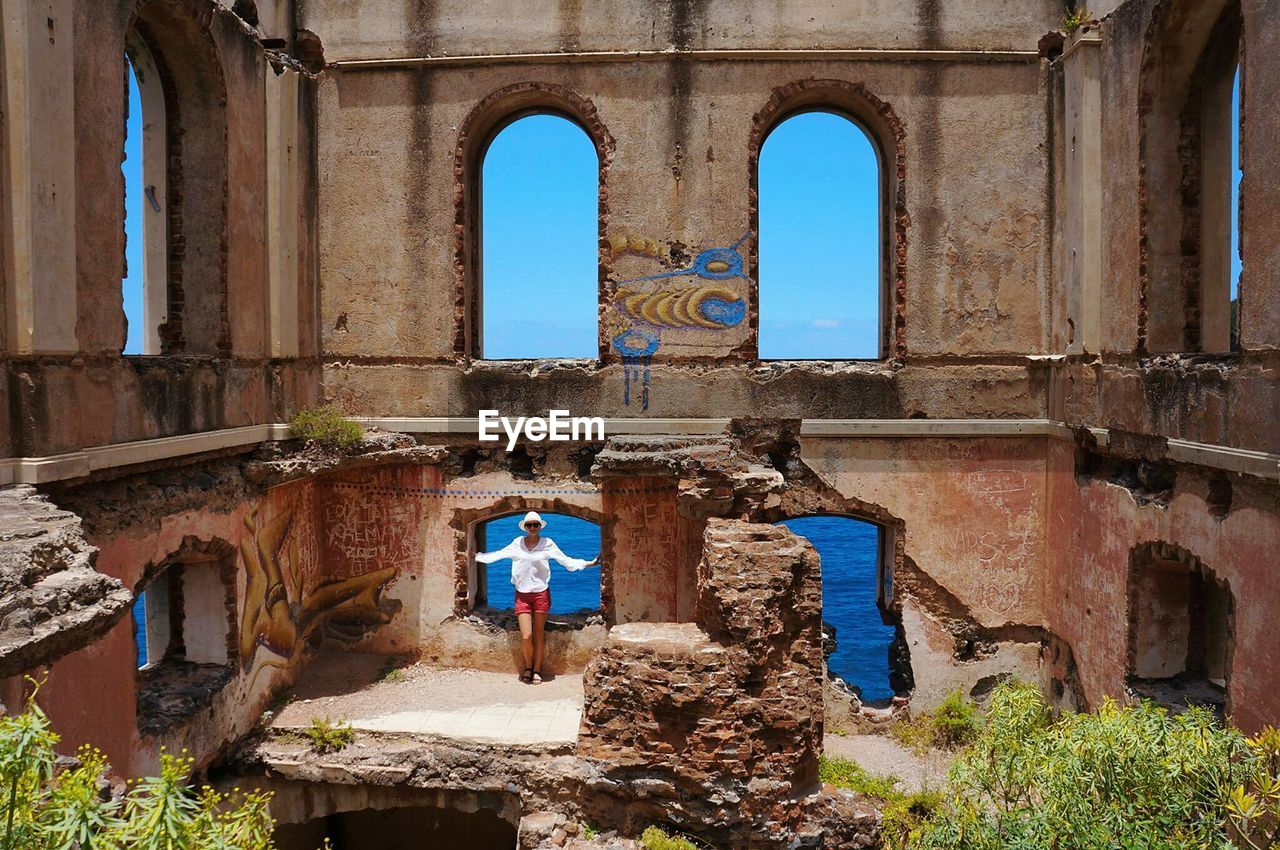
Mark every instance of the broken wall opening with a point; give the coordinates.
(575, 592)
(408, 828)
(1180, 629)
(373, 817)
(185, 633)
(860, 629)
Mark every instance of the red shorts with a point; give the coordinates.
(528, 603)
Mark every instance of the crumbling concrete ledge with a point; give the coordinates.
(52, 600)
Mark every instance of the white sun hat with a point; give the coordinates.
(532, 516)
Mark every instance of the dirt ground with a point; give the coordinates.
(371, 692)
(881, 755)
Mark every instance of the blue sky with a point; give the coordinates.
(818, 242)
(133, 201)
(540, 241)
(1235, 187)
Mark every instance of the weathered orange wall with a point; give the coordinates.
(1095, 527)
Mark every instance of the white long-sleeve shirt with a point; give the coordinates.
(531, 568)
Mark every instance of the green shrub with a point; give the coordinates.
(329, 736)
(952, 724)
(901, 813)
(848, 774)
(1074, 16)
(1121, 777)
(654, 838)
(393, 670)
(1253, 806)
(327, 426)
(955, 722)
(42, 808)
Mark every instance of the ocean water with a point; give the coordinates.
(140, 627)
(849, 550)
(570, 592)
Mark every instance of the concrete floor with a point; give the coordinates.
(471, 705)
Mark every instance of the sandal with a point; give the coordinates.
(527, 676)
(537, 677)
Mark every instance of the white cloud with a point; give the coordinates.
(826, 323)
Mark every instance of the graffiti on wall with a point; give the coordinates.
(706, 295)
(366, 533)
(281, 612)
(371, 522)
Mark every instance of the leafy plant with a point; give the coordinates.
(902, 813)
(1131, 777)
(590, 831)
(654, 838)
(1074, 18)
(329, 736)
(327, 426)
(848, 774)
(1254, 806)
(954, 723)
(393, 671)
(50, 809)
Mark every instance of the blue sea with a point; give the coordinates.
(140, 627)
(848, 548)
(570, 592)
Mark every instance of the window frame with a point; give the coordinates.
(883, 301)
(878, 121)
(186, 287)
(1191, 56)
(482, 124)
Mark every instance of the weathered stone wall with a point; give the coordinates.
(220, 232)
(723, 717)
(1098, 524)
(967, 279)
(1011, 553)
(1226, 399)
(53, 598)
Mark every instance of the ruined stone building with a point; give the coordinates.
(1070, 440)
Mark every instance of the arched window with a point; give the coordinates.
(820, 219)
(1180, 629)
(571, 592)
(1191, 167)
(539, 233)
(184, 630)
(175, 175)
(860, 641)
(145, 172)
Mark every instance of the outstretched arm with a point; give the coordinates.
(570, 564)
(489, 557)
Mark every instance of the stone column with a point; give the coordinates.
(282, 212)
(1082, 203)
(39, 176)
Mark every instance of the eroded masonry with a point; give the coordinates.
(1069, 439)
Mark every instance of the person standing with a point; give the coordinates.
(531, 557)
